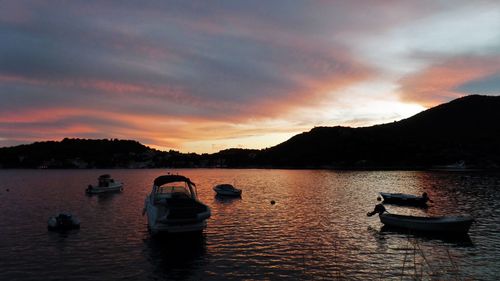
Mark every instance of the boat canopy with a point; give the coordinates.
(161, 180)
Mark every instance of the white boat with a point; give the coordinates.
(63, 221)
(444, 224)
(105, 184)
(173, 206)
(227, 190)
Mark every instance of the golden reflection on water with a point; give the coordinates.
(317, 228)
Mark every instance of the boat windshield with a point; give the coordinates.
(163, 185)
(173, 190)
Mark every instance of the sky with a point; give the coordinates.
(202, 76)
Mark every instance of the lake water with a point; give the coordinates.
(317, 230)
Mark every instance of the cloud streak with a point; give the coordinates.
(442, 81)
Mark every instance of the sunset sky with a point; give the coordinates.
(201, 76)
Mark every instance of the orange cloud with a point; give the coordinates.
(439, 82)
(159, 131)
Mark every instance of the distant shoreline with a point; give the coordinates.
(455, 136)
(374, 169)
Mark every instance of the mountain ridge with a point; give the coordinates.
(444, 134)
(465, 130)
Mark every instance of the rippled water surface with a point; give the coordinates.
(318, 228)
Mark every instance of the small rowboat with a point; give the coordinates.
(445, 224)
(405, 199)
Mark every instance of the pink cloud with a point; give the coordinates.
(439, 82)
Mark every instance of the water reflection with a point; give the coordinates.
(60, 235)
(226, 199)
(176, 256)
(380, 238)
(106, 197)
(317, 230)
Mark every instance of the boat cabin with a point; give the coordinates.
(173, 186)
(105, 180)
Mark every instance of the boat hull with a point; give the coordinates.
(160, 221)
(227, 190)
(63, 222)
(404, 199)
(445, 225)
(228, 193)
(92, 189)
(157, 228)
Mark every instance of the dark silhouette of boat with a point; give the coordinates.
(105, 184)
(405, 199)
(227, 190)
(173, 206)
(455, 225)
(62, 222)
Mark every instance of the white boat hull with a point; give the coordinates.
(158, 221)
(157, 227)
(117, 186)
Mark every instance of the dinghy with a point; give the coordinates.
(443, 224)
(405, 199)
(63, 221)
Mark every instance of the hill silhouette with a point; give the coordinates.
(465, 130)
(73, 153)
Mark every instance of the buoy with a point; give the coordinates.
(273, 202)
(8, 190)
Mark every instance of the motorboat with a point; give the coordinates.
(105, 183)
(173, 206)
(405, 199)
(440, 224)
(227, 190)
(63, 221)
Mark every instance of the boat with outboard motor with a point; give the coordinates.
(444, 224)
(405, 199)
(226, 189)
(173, 206)
(105, 184)
(63, 221)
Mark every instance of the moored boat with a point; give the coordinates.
(442, 224)
(63, 221)
(105, 184)
(405, 199)
(173, 206)
(227, 190)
